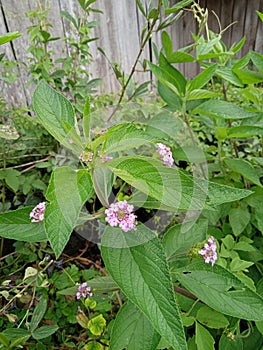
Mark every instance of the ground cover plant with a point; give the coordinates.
(166, 195)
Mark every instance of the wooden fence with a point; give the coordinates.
(119, 35)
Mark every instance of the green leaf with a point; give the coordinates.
(103, 180)
(4, 340)
(11, 177)
(103, 284)
(171, 98)
(44, 332)
(122, 137)
(249, 76)
(8, 37)
(180, 57)
(222, 109)
(178, 239)
(38, 314)
(96, 324)
(245, 169)
(68, 190)
(16, 225)
(239, 219)
(132, 330)
(55, 112)
(178, 6)
(211, 318)
(201, 79)
(257, 59)
(260, 15)
(169, 75)
(244, 131)
(204, 339)
(70, 18)
(170, 186)
(139, 4)
(228, 75)
(199, 94)
(93, 345)
(86, 119)
(137, 263)
(227, 294)
(226, 343)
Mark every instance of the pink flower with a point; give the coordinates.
(121, 214)
(86, 156)
(209, 251)
(83, 291)
(104, 159)
(166, 154)
(37, 214)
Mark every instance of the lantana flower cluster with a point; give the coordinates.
(86, 156)
(83, 291)
(37, 214)
(121, 214)
(166, 154)
(209, 251)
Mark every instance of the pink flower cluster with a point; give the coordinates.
(209, 251)
(86, 156)
(83, 291)
(104, 159)
(166, 154)
(121, 213)
(37, 214)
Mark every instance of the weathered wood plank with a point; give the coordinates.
(119, 32)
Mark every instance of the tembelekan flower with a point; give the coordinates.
(166, 154)
(86, 156)
(209, 251)
(83, 291)
(121, 214)
(37, 214)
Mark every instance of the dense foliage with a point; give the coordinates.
(163, 197)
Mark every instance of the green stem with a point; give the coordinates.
(144, 42)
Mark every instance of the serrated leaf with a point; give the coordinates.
(16, 225)
(136, 261)
(227, 294)
(171, 98)
(178, 6)
(122, 137)
(239, 219)
(199, 94)
(244, 131)
(249, 76)
(44, 332)
(54, 111)
(244, 168)
(211, 318)
(177, 240)
(203, 338)
(201, 79)
(170, 186)
(228, 75)
(68, 190)
(38, 314)
(222, 109)
(8, 37)
(103, 284)
(132, 330)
